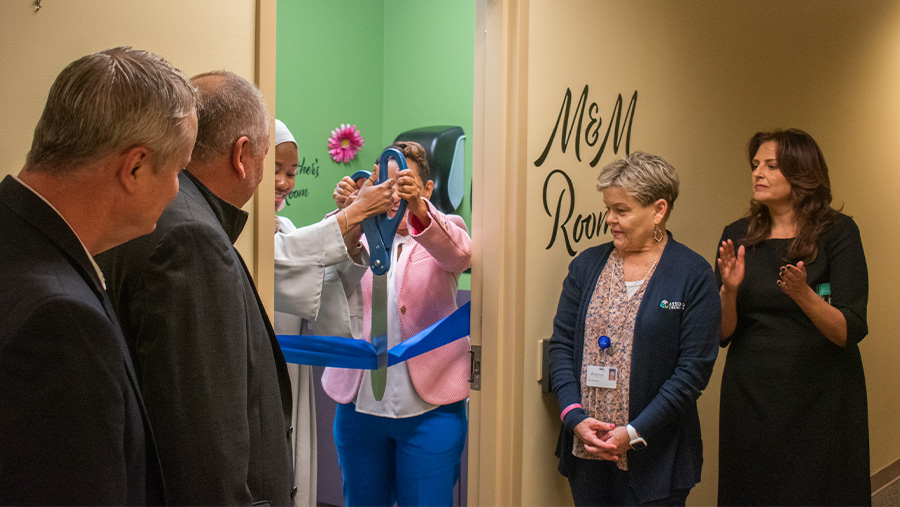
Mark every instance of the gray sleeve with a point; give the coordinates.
(301, 256)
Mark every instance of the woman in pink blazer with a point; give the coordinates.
(407, 446)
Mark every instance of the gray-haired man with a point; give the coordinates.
(117, 128)
(213, 377)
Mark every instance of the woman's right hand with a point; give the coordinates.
(368, 201)
(372, 199)
(343, 192)
(591, 432)
(731, 266)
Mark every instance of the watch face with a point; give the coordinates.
(638, 444)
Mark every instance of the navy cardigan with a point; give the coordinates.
(676, 337)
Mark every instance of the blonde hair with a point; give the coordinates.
(643, 176)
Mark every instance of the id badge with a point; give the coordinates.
(602, 376)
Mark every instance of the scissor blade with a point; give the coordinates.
(379, 334)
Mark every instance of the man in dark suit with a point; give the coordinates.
(212, 374)
(117, 129)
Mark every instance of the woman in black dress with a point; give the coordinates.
(793, 427)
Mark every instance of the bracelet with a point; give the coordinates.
(346, 221)
(562, 417)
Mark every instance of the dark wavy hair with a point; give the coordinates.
(414, 151)
(803, 166)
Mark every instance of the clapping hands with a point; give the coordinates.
(731, 265)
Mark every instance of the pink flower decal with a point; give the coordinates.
(345, 143)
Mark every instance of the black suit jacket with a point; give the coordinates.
(212, 374)
(72, 427)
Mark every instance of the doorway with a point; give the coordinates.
(384, 67)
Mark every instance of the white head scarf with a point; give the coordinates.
(282, 134)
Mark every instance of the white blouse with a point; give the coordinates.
(400, 396)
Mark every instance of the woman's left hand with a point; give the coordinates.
(409, 187)
(792, 280)
(619, 437)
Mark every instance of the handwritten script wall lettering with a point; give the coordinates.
(562, 208)
(303, 169)
(591, 132)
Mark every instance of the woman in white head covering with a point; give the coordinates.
(317, 273)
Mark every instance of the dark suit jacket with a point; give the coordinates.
(676, 340)
(213, 377)
(72, 427)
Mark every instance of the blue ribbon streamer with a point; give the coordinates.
(342, 352)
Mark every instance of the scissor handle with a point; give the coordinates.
(362, 174)
(380, 229)
(397, 155)
(386, 155)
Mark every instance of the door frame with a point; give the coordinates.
(499, 179)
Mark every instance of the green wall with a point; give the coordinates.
(385, 66)
(329, 71)
(429, 76)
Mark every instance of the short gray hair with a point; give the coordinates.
(108, 101)
(643, 176)
(229, 107)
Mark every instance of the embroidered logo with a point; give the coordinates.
(671, 305)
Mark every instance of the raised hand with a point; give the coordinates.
(344, 192)
(412, 190)
(731, 265)
(792, 280)
(371, 200)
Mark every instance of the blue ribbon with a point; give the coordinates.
(359, 354)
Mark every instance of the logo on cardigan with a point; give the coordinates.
(671, 305)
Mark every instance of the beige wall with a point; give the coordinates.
(709, 74)
(195, 36)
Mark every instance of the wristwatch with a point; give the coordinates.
(637, 443)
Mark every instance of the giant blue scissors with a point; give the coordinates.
(380, 231)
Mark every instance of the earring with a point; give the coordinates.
(659, 232)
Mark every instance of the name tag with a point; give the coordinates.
(602, 376)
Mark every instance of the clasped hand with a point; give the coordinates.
(603, 439)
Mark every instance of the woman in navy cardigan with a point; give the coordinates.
(634, 342)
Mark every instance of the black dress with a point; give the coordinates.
(793, 426)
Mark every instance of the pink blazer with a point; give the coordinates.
(427, 281)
